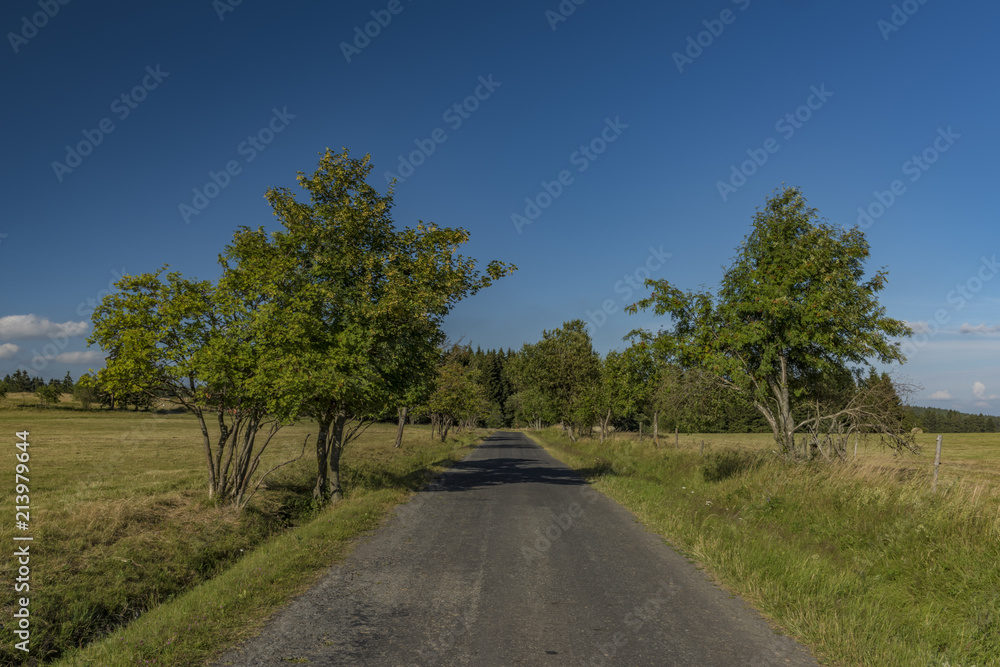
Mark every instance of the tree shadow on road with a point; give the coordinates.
(467, 475)
(502, 469)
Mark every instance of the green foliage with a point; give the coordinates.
(49, 394)
(193, 343)
(335, 317)
(792, 308)
(85, 392)
(458, 396)
(938, 420)
(497, 386)
(20, 381)
(558, 377)
(351, 308)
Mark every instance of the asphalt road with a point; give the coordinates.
(510, 558)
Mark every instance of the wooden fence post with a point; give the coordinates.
(937, 464)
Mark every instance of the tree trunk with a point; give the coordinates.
(321, 490)
(399, 427)
(656, 428)
(209, 462)
(783, 426)
(446, 423)
(220, 450)
(335, 492)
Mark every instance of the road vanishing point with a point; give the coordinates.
(511, 558)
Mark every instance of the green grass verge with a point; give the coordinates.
(863, 564)
(128, 552)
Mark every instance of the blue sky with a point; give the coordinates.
(645, 133)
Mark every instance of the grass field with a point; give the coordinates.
(125, 538)
(968, 457)
(861, 561)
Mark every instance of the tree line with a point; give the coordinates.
(501, 389)
(337, 317)
(789, 338)
(489, 381)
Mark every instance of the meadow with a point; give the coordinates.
(130, 561)
(862, 561)
(132, 564)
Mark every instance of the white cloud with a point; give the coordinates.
(33, 326)
(940, 396)
(8, 350)
(89, 357)
(979, 329)
(979, 391)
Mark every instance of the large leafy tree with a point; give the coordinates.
(192, 342)
(625, 388)
(793, 308)
(458, 396)
(352, 306)
(565, 370)
(526, 402)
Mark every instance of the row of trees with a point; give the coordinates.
(937, 420)
(337, 318)
(487, 380)
(790, 338)
(334, 318)
(503, 389)
(20, 381)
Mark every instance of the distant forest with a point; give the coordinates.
(730, 417)
(21, 381)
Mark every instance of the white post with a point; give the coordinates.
(937, 464)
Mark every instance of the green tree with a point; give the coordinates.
(626, 381)
(498, 387)
(49, 394)
(352, 307)
(525, 403)
(792, 307)
(194, 343)
(85, 391)
(458, 396)
(564, 368)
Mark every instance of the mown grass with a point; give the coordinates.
(125, 538)
(860, 561)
